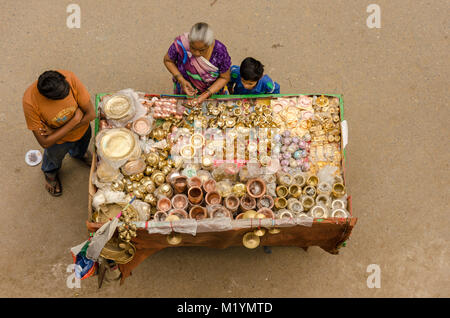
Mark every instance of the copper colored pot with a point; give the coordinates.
(219, 211)
(232, 203)
(180, 213)
(256, 188)
(195, 195)
(194, 182)
(198, 212)
(179, 184)
(164, 204)
(209, 185)
(239, 216)
(268, 213)
(266, 201)
(248, 203)
(180, 201)
(160, 216)
(212, 198)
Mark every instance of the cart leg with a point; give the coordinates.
(305, 248)
(267, 249)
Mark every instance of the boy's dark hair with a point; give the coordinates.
(53, 85)
(251, 69)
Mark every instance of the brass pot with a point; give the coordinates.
(239, 189)
(158, 178)
(282, 191)
(338, 190)
(152, 159)
(312, 181)
(319, 212)
(284, 179)
(310, 191)
(150, 199)
(299, 180)
(280, 203)
(166, 190)
(307, 202)
(295, 190)
(250, 214)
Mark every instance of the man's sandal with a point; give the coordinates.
(52, 185)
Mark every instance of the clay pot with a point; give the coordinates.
(198, 212)
(212, 198)
(195, 195)
(266, 201)
(180, 213)
(194, 182)
(256, 188)
(180, 201)
(164, 204)
(232, 203)
(248, 203)
(179, 184)
(160, 216)
(209, 185)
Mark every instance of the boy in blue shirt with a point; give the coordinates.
(248, 79)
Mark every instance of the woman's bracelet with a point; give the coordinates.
(209, 92)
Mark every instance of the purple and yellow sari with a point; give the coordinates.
(200, 72)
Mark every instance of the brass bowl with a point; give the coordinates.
(250, 214)
(174, 238)
(113, 251)
(295, 190)
(250, 240)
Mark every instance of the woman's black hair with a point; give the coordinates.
(53, 85)
(251, 69)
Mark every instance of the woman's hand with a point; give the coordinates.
(187, 88)
(200, 99)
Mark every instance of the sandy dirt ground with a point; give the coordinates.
(393, 79)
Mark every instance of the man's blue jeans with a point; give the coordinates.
(54, 155)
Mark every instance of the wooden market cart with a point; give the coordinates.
(329, 234)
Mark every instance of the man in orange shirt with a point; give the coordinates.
(58, 111)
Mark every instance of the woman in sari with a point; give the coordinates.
(199, 63)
